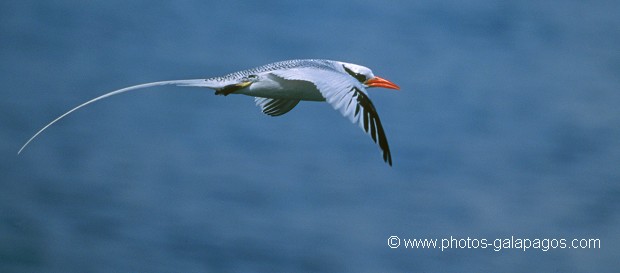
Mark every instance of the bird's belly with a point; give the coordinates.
(277, 88)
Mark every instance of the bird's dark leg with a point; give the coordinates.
(229, 89)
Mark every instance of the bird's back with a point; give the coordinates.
(305, 63)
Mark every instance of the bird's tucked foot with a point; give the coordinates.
(229, 89)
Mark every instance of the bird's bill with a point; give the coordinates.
(381, 82)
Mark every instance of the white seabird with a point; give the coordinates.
(278, 87)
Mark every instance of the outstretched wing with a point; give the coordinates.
(346, 95)
(275, 107)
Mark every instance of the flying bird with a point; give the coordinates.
(278, 87)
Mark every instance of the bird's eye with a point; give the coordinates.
(357, 76)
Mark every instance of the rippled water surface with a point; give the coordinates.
(507, 124)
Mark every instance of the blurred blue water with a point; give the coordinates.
(507, 124)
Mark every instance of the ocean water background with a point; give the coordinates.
(507, 124)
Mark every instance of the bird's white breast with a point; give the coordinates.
(271, 86)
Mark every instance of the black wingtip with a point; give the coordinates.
(372, 125)
(388, 159)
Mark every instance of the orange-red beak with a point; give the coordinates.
(381, 82)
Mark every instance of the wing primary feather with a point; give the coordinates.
(366, 120)
(373, 131)
(377, 133)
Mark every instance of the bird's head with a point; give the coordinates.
(365, 76)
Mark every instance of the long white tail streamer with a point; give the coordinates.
(193, 83)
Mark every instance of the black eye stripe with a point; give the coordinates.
(361, 78)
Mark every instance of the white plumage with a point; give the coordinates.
(278, 88)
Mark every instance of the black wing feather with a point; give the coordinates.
(372, 122)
